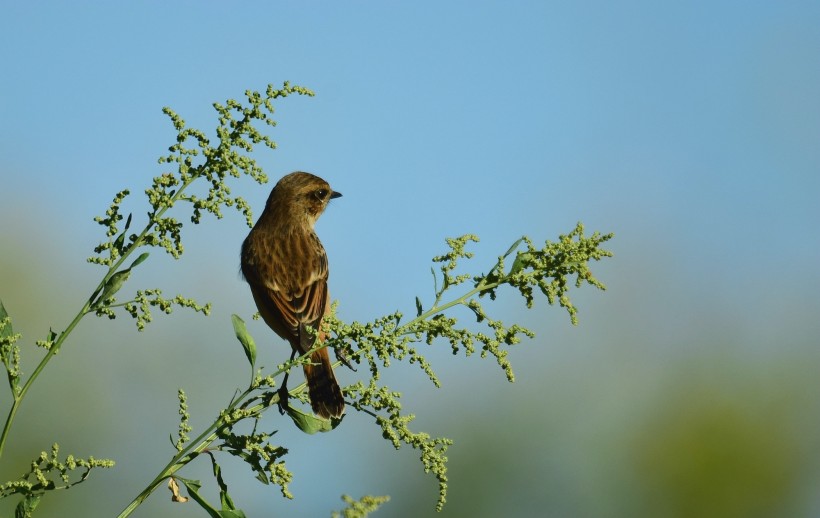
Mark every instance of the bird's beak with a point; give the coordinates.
(335, 195)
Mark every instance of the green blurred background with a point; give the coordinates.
(690, 130)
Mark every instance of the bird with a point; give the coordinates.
(286, 267)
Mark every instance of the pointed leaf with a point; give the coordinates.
(143, 256)
(252, 460)
(244, 338)
(513, 247)
(26, 507)
(193, 487)
(419, 309)
(224, 498)
(121, 238)
(119, 241)
(112, 286)
(310, 424)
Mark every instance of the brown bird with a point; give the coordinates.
(286, 267)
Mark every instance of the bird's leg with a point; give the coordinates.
(283, 390)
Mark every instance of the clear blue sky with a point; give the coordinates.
(690, 129)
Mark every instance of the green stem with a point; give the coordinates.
(178, 462)
(55, 347)
(206, 438)
(18, 398)
(404, 330)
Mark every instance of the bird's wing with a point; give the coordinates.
(303, 308)
(294, 297)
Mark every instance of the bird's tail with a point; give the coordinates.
(325, 395)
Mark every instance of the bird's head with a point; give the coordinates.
(303, 195)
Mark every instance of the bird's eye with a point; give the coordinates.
(321, 194)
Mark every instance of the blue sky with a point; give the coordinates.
(690, 129)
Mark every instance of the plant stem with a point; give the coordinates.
(206, 438)
(18, 399)
(55, 347)
(202, 442)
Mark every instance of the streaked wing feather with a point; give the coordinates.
(304, 310)
(315, 303)
(299, 295)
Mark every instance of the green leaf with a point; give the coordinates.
(236, 444)
(113, 285)
(522, 259)
(262, 476)
(121, 238)
(419, 310)
(193, 487)
(227, 511)
(26, 507)
(244, 338)
(310, 424)
(224, 498)
(143, 256)
(119, 241)
(513, 247)
(253, 462)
